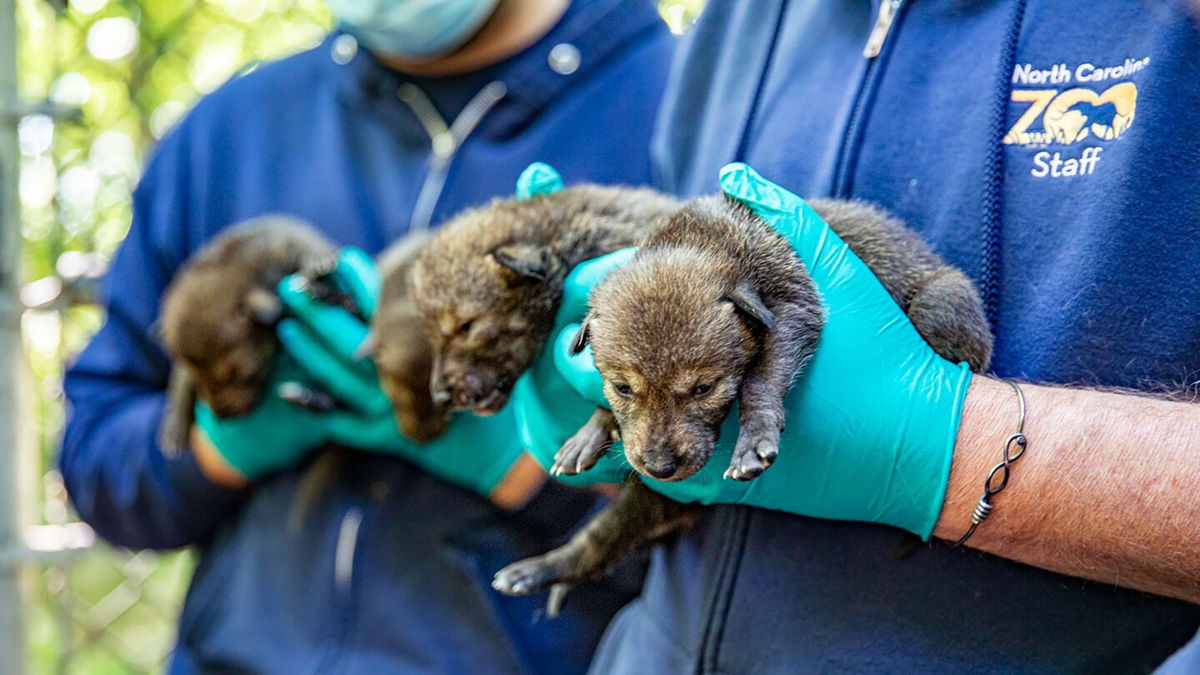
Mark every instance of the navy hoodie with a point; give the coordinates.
(1052, 150)
(391, 572)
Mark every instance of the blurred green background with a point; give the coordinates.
(100, 81)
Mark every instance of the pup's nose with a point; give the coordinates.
(660, 467)
(468, 389)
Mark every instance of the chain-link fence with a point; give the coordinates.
(98, 82)
(86, 89)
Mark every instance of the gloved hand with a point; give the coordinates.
(871, 423)
(320, 341)
(542, 394)
(275, 434)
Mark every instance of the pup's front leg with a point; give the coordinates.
(587, 446)
(786, 348)
(636, 518)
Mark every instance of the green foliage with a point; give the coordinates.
(105, 80)
(120, 73)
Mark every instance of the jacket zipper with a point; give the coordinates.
(343, 554)
(735, 531)
(444, 140)
(883, 26)
(345, 549)
(885, 20)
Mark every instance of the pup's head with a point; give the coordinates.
(673, 334)
(219, 323)
(487, 299)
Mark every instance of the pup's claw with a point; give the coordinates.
(754, 453)
(558, 597)
(767, 451)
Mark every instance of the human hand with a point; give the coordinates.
(474, 452)
(274, 435)
(871, 422)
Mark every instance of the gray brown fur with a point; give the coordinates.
(403, 354)
(489, 283)
(219, 312)
(715, 308)
(717, 298)
(639, 307)
(938, 298)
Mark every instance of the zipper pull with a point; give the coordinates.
(883, 26)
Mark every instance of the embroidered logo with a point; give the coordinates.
(1088, 115)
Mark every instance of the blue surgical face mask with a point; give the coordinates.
(414, 28)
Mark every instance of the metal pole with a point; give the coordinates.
(12, 632)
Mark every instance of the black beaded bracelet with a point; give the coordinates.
(1014, 448)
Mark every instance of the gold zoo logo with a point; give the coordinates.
(1073, 115)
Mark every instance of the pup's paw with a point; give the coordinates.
(581, 451)
(755, 451)
(528, 576)
(173, 436)
(320, 266)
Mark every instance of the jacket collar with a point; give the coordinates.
(590, 33)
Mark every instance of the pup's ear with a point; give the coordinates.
(265, 307)
(747, 301)
(583, 336)
(524, 260)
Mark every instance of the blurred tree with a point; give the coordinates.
(101, 81)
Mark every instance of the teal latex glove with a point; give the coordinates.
(475, 452)
(275, 434)
(871, 423)
(538, 178)
(545, 403)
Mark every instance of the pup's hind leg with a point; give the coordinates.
(179, 412)
(587, 446)
(636, 518)
(947, 312)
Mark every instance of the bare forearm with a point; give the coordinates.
(1106, 490)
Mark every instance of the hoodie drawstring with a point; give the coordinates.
(445, 140)
(993, 180)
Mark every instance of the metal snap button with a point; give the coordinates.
(564, 58)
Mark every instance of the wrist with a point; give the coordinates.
(988, 419)
(213, 464)
(520, 484)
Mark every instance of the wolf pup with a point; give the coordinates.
(219, 315)
(488, 285)
(715, 307)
